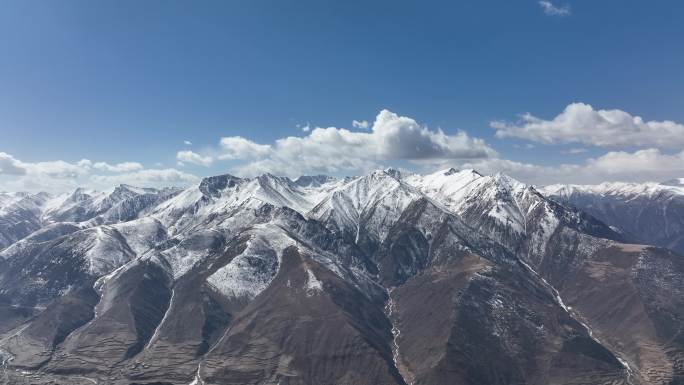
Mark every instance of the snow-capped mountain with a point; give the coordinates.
(650, 213)
(20, 215)
(390, 277)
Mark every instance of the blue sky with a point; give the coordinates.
(128, 82)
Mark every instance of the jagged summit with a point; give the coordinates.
(393, 172)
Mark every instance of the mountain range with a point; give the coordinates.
(651, 213)
(387, 278)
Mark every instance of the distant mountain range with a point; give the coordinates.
(387, 278)
(649, 213)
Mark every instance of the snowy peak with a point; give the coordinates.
(367, 206)
(281, 191)
(450, 171)
(508, 182)
(125, 190)
(12, 200)
(124, 202)
(393, 172)
(380, 197)
(266, 188)
(446, 181)
(213, 186)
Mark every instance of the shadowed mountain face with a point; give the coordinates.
(388, 278)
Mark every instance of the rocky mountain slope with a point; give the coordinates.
(651, 213)
(387, 278)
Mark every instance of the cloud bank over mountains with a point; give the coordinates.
(333, 150)
(395, 140)
(640, 166)
(17, 175)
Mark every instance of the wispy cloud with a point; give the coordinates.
(119, 167)
(189, 156)
(550, 9)
(305, 127)
(59, 175)
(575, 151)
(361, 124)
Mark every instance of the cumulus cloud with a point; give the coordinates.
(329, 150)
(580, 123)
(550, 9)
(187, 143)
(194, 158)
(361, 124)
(237, 147)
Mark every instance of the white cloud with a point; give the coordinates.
(580, 123)
(575, 151)
(119, 167)
(237, 147)
(194, 158)
(10, 166)
(59, 169)
(399, 137)
(650, 162)
(550, 9)
(305, 128)
(60, 176)
(330, 150)
(147, 178)
(361, 124)
(187, 143)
